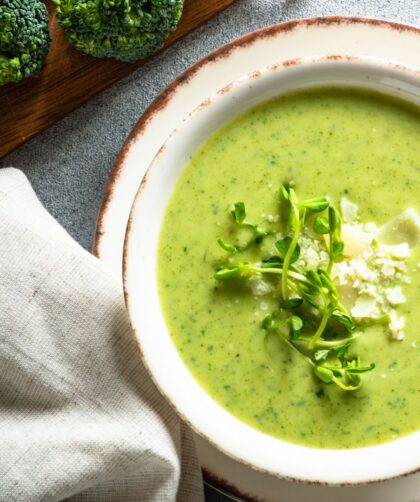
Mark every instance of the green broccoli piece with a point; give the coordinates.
(24, 39)
(123, 29)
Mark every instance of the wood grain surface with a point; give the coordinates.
(69, 79)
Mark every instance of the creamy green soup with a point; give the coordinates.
(335, 142)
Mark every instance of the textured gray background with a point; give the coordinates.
(68, 165)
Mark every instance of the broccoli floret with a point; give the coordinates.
(123, 29)
(24, 39)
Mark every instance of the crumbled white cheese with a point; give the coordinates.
(403, 228)
(395, 295)
(264, 306)
(365, 308)
(368, 290)
(366, 277)
(259, 287)
(356, 240)
(348, 210)
(362, 270)
(312, 258)
(370, 228)
(400, 252)
(313, 252)
(369, 276)
(342, 272)
(388, 268)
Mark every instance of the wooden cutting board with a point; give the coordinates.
(69, 79)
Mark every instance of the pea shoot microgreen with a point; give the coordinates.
(310, 318)
(238, 214)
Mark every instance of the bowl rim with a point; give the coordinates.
(154, 165)
(161, 101)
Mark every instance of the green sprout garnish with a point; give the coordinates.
(238, 214)
(310, 319)
(297, 215)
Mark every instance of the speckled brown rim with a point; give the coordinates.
(225, 488)
(165, 97)
(160, 104)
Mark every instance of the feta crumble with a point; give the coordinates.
(396, 326)
(348, 210)
(370, 275)
(259, 286)
(395, 295)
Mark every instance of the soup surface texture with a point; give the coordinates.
(335, 142)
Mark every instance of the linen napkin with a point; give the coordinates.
(80, 419)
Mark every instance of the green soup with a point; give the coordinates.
(331, 142)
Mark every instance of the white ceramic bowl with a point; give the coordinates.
(202, 413)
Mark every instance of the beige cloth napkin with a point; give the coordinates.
(79, 416)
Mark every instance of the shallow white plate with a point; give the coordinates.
(313, 37)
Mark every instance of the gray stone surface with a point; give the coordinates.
(68, 164)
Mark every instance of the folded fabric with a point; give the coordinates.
(79, 416)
